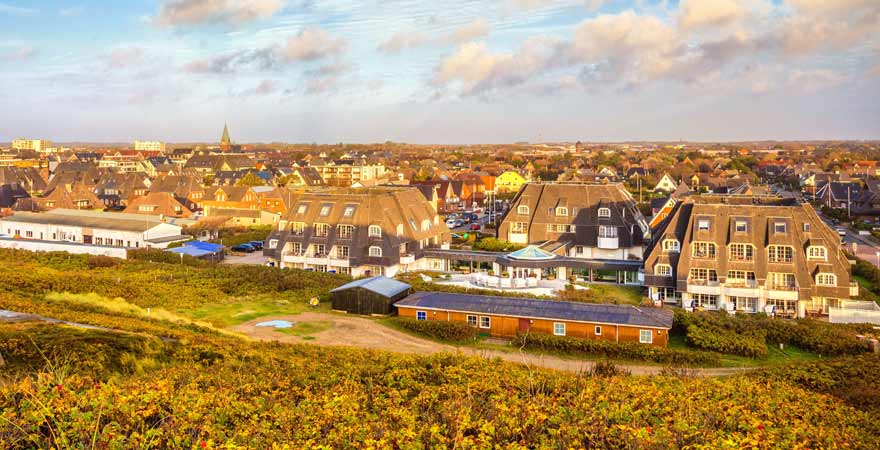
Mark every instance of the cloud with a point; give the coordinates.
(213, 12)
(120, 58)
(815, 80)
(72, 11)
(228, 63)
(312, 43)
(21, 53)
(16, 10)
(697, 14)
(266, 87)
(402, 40)
(470, 31)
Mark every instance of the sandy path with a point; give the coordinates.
(353, 331)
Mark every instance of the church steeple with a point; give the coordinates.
(225, 142)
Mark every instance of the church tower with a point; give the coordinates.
(225, 142)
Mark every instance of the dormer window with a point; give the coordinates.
(375, 231)
(604, 212)
(562, 211)
(301, 209)
(740, 226)
(325, 210)
(663, 270)
(779, 227)
(817, 253)
(703, 225)
(826, 279)
(349, 211)
(522, 210)
(671, 245)
(806, 228)
(703, 250)
(375, 251)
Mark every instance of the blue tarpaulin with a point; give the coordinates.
(207, 246)
(191, 251)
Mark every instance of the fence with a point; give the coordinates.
(855, 314)
(58, 246)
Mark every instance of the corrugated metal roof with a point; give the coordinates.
(541, 309)
(380, 285)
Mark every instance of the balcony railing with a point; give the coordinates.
(753, 284)
(781, 287)
(700, 282)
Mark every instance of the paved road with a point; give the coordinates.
(247, 258)
(353, 331)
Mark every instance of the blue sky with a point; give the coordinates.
(456, 71)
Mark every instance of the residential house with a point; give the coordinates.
(509, 181)
(838, 195)
(745, 254)
(666, 184)
(158, 204)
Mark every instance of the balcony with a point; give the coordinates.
(408, 258)
(782, 291)
(293, 257)
(518, 238)
(703, 287)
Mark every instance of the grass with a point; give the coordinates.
(865, 289)
(775, 356)
(239, 312)
(306, 329)
(629, 295)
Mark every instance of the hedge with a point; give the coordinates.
(628, 350)
(438, 329)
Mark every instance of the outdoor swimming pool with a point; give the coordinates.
(276, 324)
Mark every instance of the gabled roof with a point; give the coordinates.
(380, 285)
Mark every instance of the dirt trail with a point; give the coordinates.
(352, 331)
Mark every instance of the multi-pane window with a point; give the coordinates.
(783, 306)
(826, 279)
(780, 253)
(559, 328)
(342, 251)
(671, 245)
(348, 211)
(472, 321)
(740, 276)
(741, 252)
(703, 250)
(522, 209)
(296, 248)
(344, 231)
(646, 336)
(518, 227)
(319, 249)
(663, 270)
(816, 253)
(375, 251)
(607, 231)
(604, 212)
(560, 228)
(485, 322)
(322, 229)
(562, 211)
(325, 210)
(704, 301)
(746, 304)
(781, 280)
(703, 274)
(301, 209)
(421, 315)
(375, 231)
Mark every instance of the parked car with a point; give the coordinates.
(256, 244)
(475, 227)
(450, 223)
(473, 217)
(841, 231)
(244, 248)
(458, 223)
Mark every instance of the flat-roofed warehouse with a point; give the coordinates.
(507, 316)
(369, 296)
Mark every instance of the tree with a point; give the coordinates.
(250, 180)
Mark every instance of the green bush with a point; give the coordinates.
(438, 329)
(490, 244)
(615, 350)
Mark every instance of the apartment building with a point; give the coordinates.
(748, 254)
(150, 146)
(366, 231)
(37, 145)
(346, 172)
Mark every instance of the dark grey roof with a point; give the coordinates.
(541, 309)
(380, 285)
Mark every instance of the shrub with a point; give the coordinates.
(102, 261)
(438, 329)
(633, 351)
(490, 244)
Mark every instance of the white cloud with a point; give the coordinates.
(695, 14)
(123, 57)
(20, 53)
(266, 87)
(228, 12)
(17, 10)
(402, 40)
(470, 31)
(312, 43)
(816, 79)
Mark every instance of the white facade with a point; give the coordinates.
(150, 146)
(37, 145)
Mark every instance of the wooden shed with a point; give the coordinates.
(369, 296)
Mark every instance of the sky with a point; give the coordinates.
(444, 72)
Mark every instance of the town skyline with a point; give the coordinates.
(467, 72)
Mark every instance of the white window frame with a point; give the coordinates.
(817, 253)
(646, 336)
(807, 227)
(375, 231)
(671, 245)
(709, 245)
(826, 279)
(562, 211)
(703, 224)
(663, 273)
(777, 225)
(559, 328)
(344, 231)
(773, 253)
(597, 330)
(348, 211)
(322, 230)
(607, 231)
(488, 323)
(325, 210)
(302, 208)
(522, 210)
(748, 252)
(738, 223)
(471, 320)
(604, 212)
(421, 315)
(375, 251)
